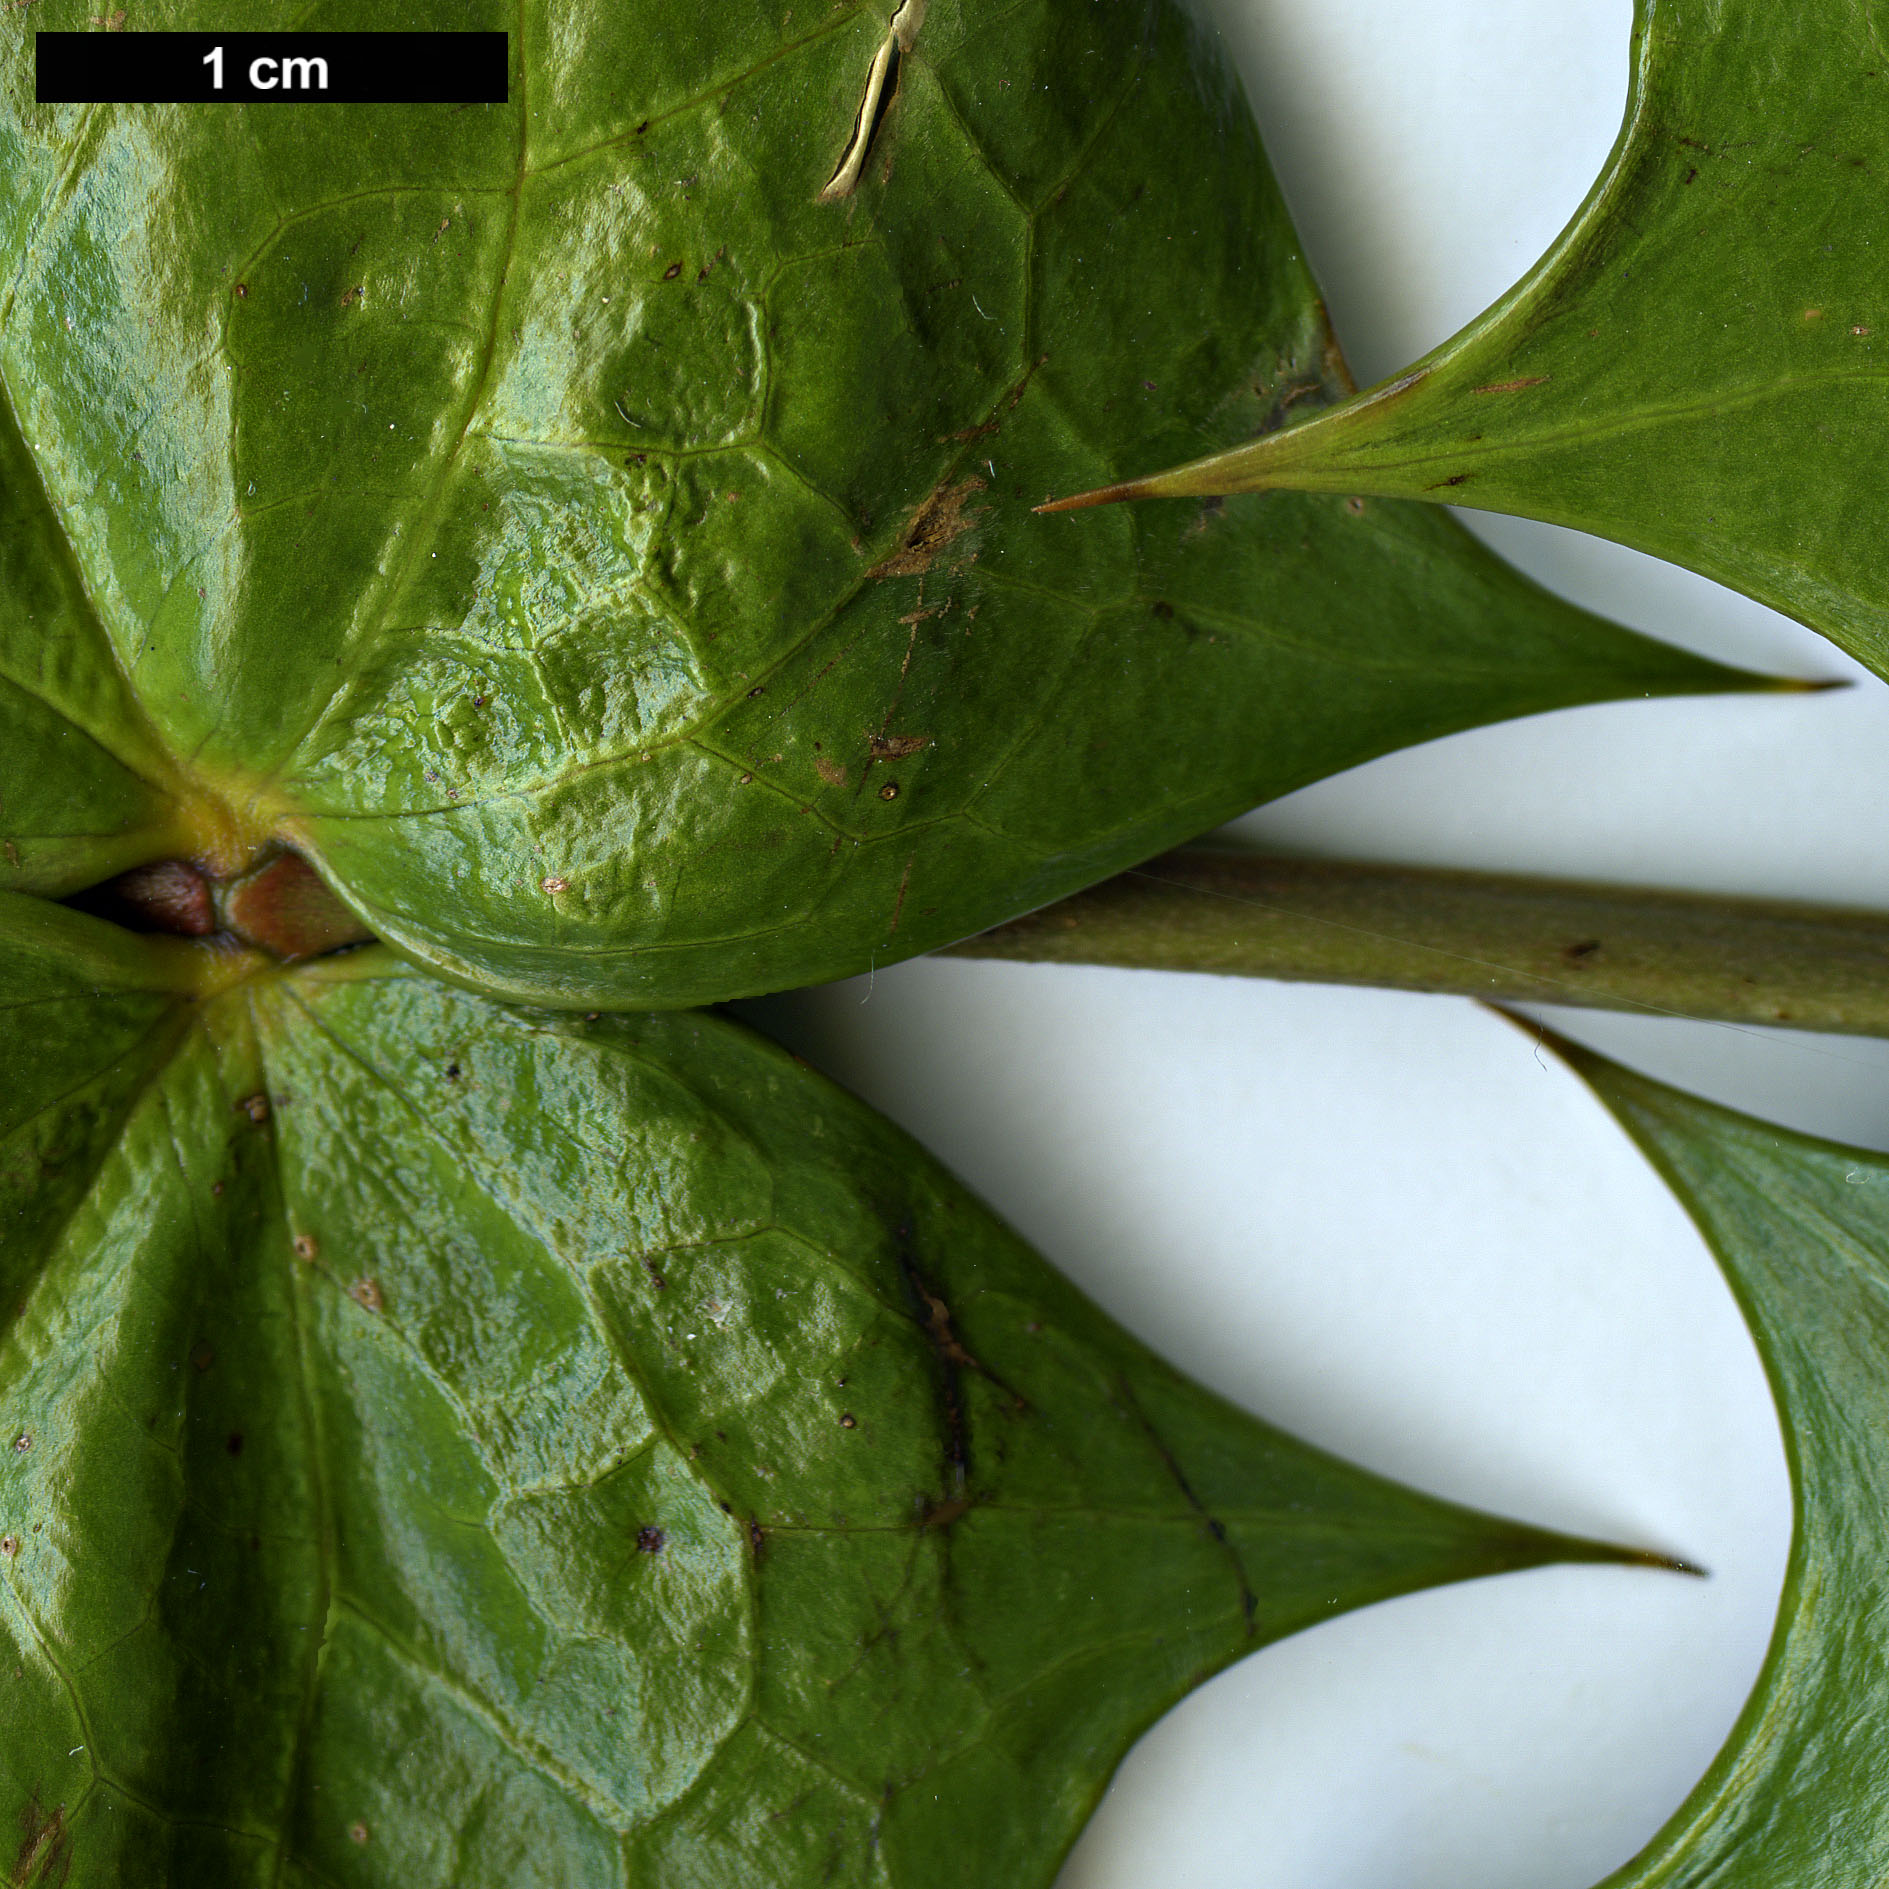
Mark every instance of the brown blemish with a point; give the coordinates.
(256, 1107)
(953, 1360)
(553, 885)
(305, 1246)
(831, 771)
(23, 1442)
(9, 1545)
(896, 747)
(1211, 509)
(848, 1421)
(357, 1832)
(670, 273)
(1581, 952)
(1005, 407)
(890, 791)
(934, 526)
(1512, 386)
(650, 1539)
(45, 1852)
(365, 1292)
(201, 1357)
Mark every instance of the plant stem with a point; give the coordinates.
(1508, 940)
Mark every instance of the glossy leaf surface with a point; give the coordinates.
(1801, 1228)
(1696, 367)
(445, 1444)
(607, 553)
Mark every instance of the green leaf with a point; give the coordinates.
(1695, 367)
(606, 553)
(448, 1444)
(1801, 1228)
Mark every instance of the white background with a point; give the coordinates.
(1384, 1220)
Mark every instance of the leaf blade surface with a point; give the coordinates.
(612, 564)
(449, 1444)
(1693, 368)
(1800, 1228)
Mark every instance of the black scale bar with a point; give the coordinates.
(270, 68)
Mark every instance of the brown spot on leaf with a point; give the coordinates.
(256, 1107)
(305, 1246)
(650, 1539)
(1005, 407)
(553, 885)
(933, 527)
(201, 1357)
(890, 791)
(848, 1421)
(1581, 952)
(1512, 386)
(9, 1545)
(357, 1832)
(23, 1442)
(896, 747)
(365, 1292)
(831, 771)
(44, 1848)
(1211, 511)
(45, 1852)
(670, 273)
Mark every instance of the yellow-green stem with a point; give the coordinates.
(1508, 940)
